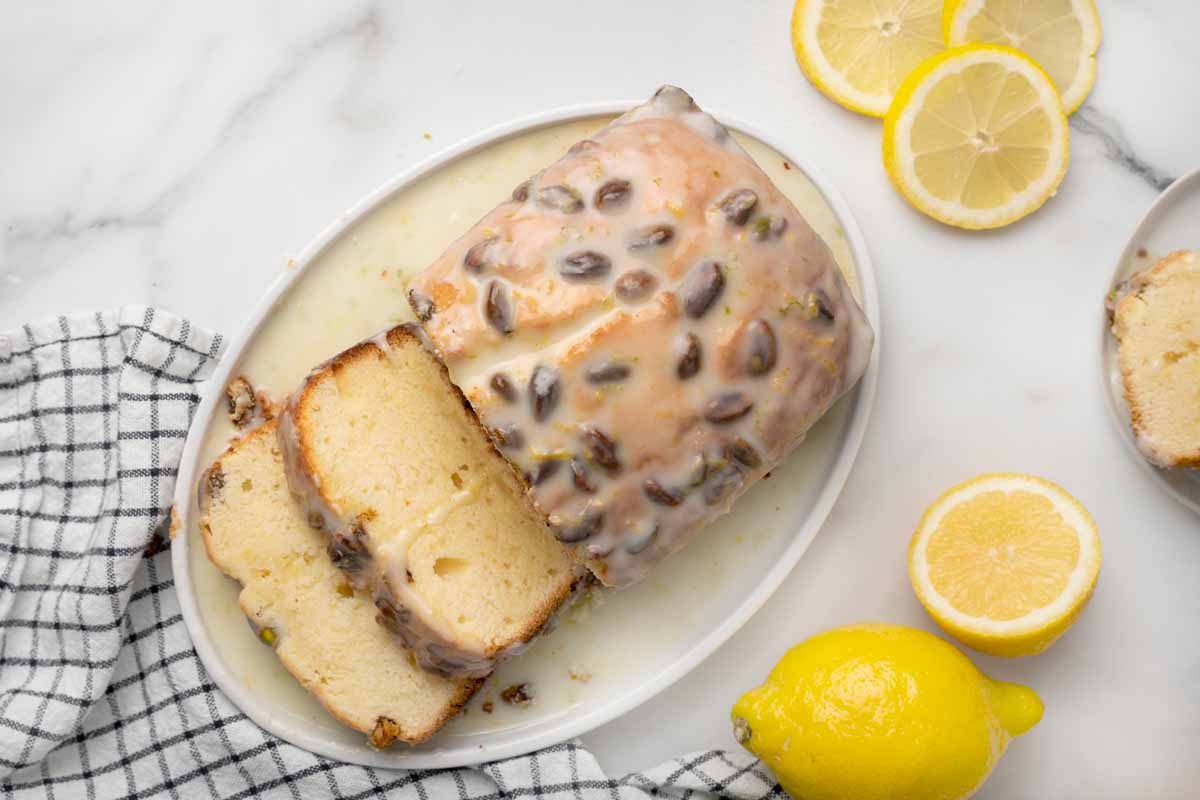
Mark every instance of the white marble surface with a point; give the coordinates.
(177, 154)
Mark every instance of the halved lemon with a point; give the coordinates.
(1062, 36)
(858, 51)
(1005, 562)
(976, 137)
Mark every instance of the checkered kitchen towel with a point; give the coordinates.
(101, 693)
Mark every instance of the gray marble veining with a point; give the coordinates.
(1090, 121)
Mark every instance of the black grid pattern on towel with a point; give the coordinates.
(101, 693)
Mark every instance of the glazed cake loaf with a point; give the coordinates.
(1156, 319)
(389, 460)
(323, 631)
(646, 328)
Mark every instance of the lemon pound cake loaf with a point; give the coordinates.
(646, 328)
(389, 460)
(1156, 319)
(301, 605)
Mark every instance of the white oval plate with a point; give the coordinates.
(1172, 223)
(708, 599)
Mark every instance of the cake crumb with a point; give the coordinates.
(519, 694)
(247, 407)
(581, 675)
(488, 707)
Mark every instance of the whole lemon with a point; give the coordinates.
(881, 711)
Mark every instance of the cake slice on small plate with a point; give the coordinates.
(301, 605)
(1156, 321)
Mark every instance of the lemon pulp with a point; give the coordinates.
(976, 137)
(1062, 36)
(858, 52)
(1005, 562)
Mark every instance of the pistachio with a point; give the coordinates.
(503, 386)
(422, 304)
(588, 524)
(761, 350)
(721, 484)
(727, 407)
(689, 359)
(599, 550)
(585, 265)
(660, 494)
(545, 387)
(613, 194)
(634, 285)
(823, 305)
(267, 636)
(641, 536)
(559, 198)
(348, 549)
(743, 452)
(768, 227)
(476, 258)
(542, 471)
(600, 448)
(581, 476)
(582, 146)
(651, 236)
(738, 205)
(701, 287)
(499, 308)
(508, 437)
(607, 372)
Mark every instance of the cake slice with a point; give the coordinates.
(300, 604)
(1156, 319)
(421, 510)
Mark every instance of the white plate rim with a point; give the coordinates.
(1169, 480)
(570, 726)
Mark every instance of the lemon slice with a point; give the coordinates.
(976, 137)
(1005, 562)
(858, 51)
(1060, 35)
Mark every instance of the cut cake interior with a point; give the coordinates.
(322, 630)
(1156, 319)
(421, 509)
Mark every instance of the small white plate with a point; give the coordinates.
(644, 638)
(1172, 223)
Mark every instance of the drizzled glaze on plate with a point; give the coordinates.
(663, 328)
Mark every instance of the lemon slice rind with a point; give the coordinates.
(1031, 632)
(806, 19)
(900, 159)
(958, 15)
